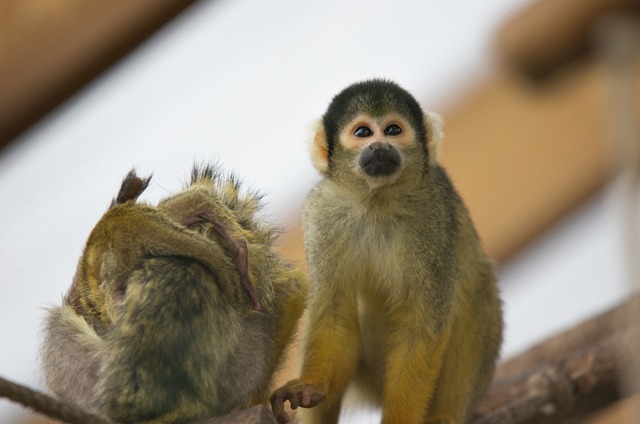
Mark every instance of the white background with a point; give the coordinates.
(240, 82)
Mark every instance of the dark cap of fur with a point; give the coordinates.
(374, 97)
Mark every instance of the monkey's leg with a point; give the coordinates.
(466, 370)
(456, 390)
(413, 365)
(291, 291)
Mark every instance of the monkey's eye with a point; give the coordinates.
(393, 129)
(363, 132)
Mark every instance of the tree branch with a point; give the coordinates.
(58, 410)
(567, 376)
(558, 381)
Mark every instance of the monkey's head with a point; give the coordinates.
(376, 131)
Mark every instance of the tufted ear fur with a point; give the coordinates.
(319, 148)
(433, 130)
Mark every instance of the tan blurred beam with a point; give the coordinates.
(547, 33)
(523, 155)
(49, 49)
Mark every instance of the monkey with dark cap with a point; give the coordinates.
(177, 312)
(403, 304)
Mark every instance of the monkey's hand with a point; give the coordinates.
(238, 248)
(298, 394)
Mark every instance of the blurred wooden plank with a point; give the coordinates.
(522, 155)
(49, 49)
(547, 33)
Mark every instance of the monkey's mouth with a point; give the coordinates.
(380, 160)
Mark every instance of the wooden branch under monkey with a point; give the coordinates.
(177, 312)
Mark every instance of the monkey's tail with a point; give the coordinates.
(44, 404)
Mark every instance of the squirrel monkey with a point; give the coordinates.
(403, 303)
(177, 312)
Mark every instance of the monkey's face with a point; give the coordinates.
(374, 134)
(375, 145)
(376, 151)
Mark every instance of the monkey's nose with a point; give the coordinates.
(380, 159)
(380, 145)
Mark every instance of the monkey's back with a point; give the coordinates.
(180, 348)
(178, 345)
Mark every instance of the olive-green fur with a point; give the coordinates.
(403, 306)
(156, 326)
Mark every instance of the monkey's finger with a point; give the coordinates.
(282, 417)
(294, 400)
(242, 265)
(277, 406)
(305, 398)
(311, 396)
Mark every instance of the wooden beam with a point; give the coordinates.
(50, 49)
(523, 154)
(548, 33)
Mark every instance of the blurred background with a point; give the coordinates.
(539, 97)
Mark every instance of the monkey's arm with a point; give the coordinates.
(332, 350)
(128, 233)
(291, 289)
(281, 314)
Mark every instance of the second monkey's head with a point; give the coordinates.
(375, 134)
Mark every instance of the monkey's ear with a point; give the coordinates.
(319, 148)
(131, 188)
(435, 135)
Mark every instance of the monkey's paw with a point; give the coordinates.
(298, 394)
